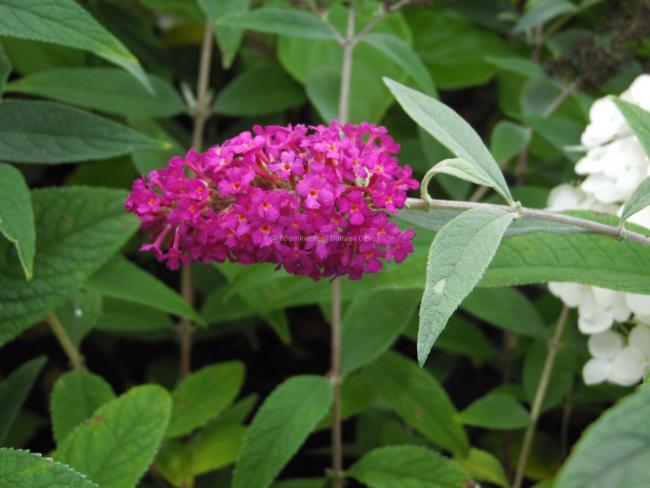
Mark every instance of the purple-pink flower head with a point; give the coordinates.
(315, 200)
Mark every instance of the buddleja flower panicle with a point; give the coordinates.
(312, 199)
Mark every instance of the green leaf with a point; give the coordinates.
(615, 450)
(459, 255)
(356, 396)
(259, 91)
(79, 314)
(372, 323)
(462, 169)
(146, 160)
(462, 337)
(75, 396)
(508, 139)
(539, 254)
(282, 21)
(228, 38)
(116, 446)
(451, 130)
(279, 428)
(577, 257)
(542, 12)
(13, 392)
(105, 89)
(301, 483)
(180, 460)
(25, 469)
(505, 308)
(418, 398)
(638, 119)
(323, 87)
(483, 466)
(124, 316)
(67, 23)
(120, 278)
(77, 230)
(48, 132)
(402, 54)
(203, 395)
(369, 98)
(639, 200)
(5, 69)
(454, 48)
(520, 66)
(407, 467)
(495, 411)
(17, 216)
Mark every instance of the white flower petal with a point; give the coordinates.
(599, 322)
(639, 92)
(595, 371)
(628, 367)
(605, 345)
(564, 197)
(570, 293)
(641, 218)
(639, 339)
(639, 304)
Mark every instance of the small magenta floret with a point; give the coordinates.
(312, 199)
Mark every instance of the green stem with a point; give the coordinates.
(201, 114)
(540, 395)
(62, 336)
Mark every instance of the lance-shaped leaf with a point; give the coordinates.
(75, 396)
(259, 91)
(13, 392)
(462, 169)
(77, 231)
(372, 323)
(228, 38)
(508, 139)
(639, 200)
(542, 12)
(279, 428)
(615, 450)
(48, 133)
(452, 131)
(407, 467)
(419, 399)
(459, 255)
(120, 278)
(105, 89)
(65, 22)
(495, 411)
(117, 444)
(5, 69)
(282, 21)
(203, 395)
(638, 119)
(25, 469)
(402, 54)
(17, 216)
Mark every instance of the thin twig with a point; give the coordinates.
(201, 114)
(335, 367)
(378, 18)
(522, 161)
(540, 395)
(64, 340)
(533, 213)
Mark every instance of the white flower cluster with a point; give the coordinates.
(614, 165)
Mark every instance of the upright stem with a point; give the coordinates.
(62, 336)
(335, 371)
(185, 329)
(540, 395)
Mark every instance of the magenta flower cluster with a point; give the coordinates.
(314, 200)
